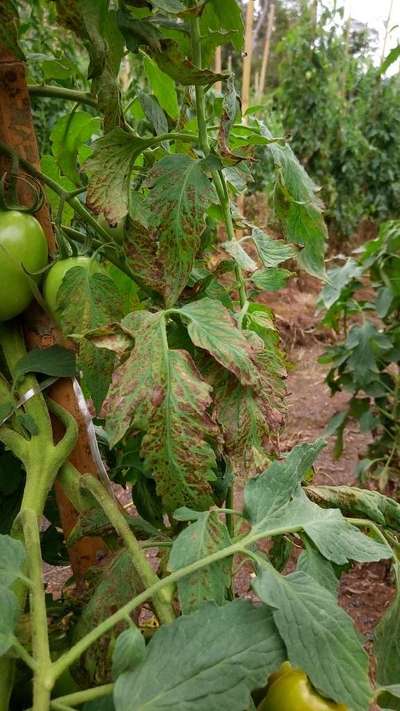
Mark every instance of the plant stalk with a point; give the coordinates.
(146, 573)
(59, 92)
(40, 641)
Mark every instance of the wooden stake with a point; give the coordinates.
(267, 47)
(17, 130)
(248, 50)
(218, 69)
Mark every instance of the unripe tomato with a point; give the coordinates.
(23, 246)
(116, 232)
(290, 690)
(57, 272)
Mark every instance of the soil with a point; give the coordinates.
(365, 591)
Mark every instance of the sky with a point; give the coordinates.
(375, 14)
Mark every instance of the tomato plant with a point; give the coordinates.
(23, 248)
(181, 385)
(366, 361)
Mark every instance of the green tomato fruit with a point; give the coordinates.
(116, 232)
(290, 690)
(23, 246)
(57, 272)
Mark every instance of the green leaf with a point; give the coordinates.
(158, 391)
(50, 168)
(60, 69)
(129, 651)
(9, 613)
(272, 252)
(109, 169)
(106, 703)
(240, 256)
(54, 361)
(172, 61)
(163, 87)
(271, 279)
(269, 493)
(12, 556)
(319, 636)
(242, 648)
(337, 279)
(205, 536)
(86, 301)
(164, 241)
(212, 328)
(216, 32)
(387, 649)
(68, 135)
(316, 566)
(230, 16)
(392, 57)
(298, 207)
(339, 541)
(154, 113)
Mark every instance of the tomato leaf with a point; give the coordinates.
(240, 256)
(8, 618)
(230, 17)
(164, 237)
(173, 62)
(316, 566)
(12, 556)
(206, 535)
(269, 493)
(298, 207)
(129, 651)
(86, 301)
(163, 87)
(242, 646)
(271, 279)
(212, 328)
(158, 391)
(54, 361)
(68, 135)
(319, 636)
(109, 169)
(272, 252)
(50, 168)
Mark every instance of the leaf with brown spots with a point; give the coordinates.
(86, 301)
(109, 169)
(159, 392)
(163, 237)
(212, 327)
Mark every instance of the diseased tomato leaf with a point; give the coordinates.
(86, 301)
(205, 536)
(212, 328)
(109, 169)
(173, 62)
(159, 392)
(163, 236)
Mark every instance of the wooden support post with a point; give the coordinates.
(267, 48)
(248, 54)
(218, 68)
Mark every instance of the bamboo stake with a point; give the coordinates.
(267, 47)
(387, 25)
(218, 69)
(248, 50)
